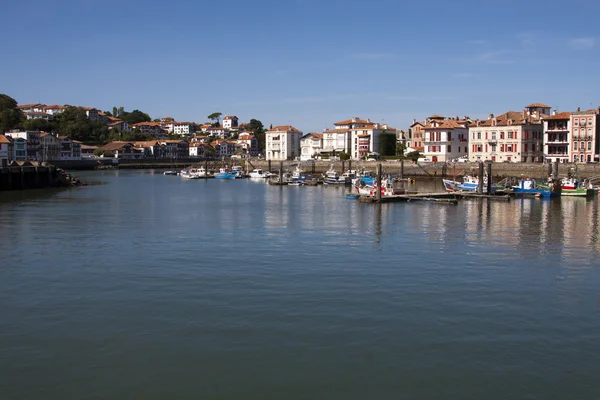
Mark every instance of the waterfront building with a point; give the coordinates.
(445, 139)
(197, 149)
(282, 143)
(70, 149)
(557, 137)
(6, 153)
(509, 137)
(310, 146)
(356, 137)
(33, 143)
(123, 150)
(50, 146)
(19, 148)
(584, 138)
(174, 148)
(230, 122)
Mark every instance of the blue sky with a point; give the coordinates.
(307, 63)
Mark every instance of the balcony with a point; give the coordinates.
(493, 142)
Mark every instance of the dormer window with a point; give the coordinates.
(509, 122)
(494, 122)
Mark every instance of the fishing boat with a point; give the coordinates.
(238, 171)
(469, 184)
(528, 186)
(225, 174)
(389, 187)
(571, 186)
(332, 177)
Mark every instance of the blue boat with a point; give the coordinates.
(224, 174)
(531, 187)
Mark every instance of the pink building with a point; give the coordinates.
(584, 136)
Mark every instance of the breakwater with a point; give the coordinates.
(34, 175)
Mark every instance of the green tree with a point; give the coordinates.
(344, 156)
(209, 151)
(413, 155)
(400, 149)
(37, 124)
(387, 144)
(258, 130)
(216, 118)
(133, 117)
(10, 116)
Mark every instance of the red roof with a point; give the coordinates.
(352, 121)
(537, 105)
(562, 115)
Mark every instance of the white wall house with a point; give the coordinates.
(557, 136)
(33, 143)
(283, 143)
(446, 139)
(230, 122)
(310, 146)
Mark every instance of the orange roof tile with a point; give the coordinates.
(350, 121)
(537, 105)
(3, 139)
(284, 128)
(562, 115)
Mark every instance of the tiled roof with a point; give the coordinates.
(418, 123)
(537, 105)
(336, 130)
(230, 117)
(30, 105)
(516, 118)
(115, 145)
(3, 139)
(447, 124)
(284, 128)
(562, 115)
(350, 121)
(436, 116)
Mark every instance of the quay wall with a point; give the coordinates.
(499, 170)
(32, 177)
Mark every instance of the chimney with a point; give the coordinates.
(554, 112)
(491, 116)
(368, 119)
(578, 108)
(415, 121)
(354, 119)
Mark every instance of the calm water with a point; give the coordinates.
(150, 287)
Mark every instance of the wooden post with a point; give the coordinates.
(343, 166)
(550, 169)
(269, 163)
(378, 182)
(349, 164)
(480, 183)
(206, 167)
(555, 170)
(281, 172)
(489, 178)
(401, 169)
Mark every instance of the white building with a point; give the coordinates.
(230, 122)
(183, 128)
(50, 147)
(33, 143)
(283, 143)
(446, 139)
(557, 136)
(356, 137)
(310, 146)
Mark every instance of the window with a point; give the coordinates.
(589, 145)
(574, 145)
(501, 135)
(510, 135)
(478, 135)
(576, 122)
(525, 149)
(449, 149)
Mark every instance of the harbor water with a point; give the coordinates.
(145, 286)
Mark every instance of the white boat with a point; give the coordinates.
(259, 173)
(238, 171)
(333, 177)
(189, 174)
(171, 172)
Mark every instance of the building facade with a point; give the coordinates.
(584, 136)
(446, 139)
(557, 138)
(509, 137)
(33, 143)
(230, 122)
(310, 146)
(282, 143)
(50, 147)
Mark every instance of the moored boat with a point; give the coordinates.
(389, 187)
(469, 184)
(259, 173)
(571, 186)
(531, 187)
(225, 174)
